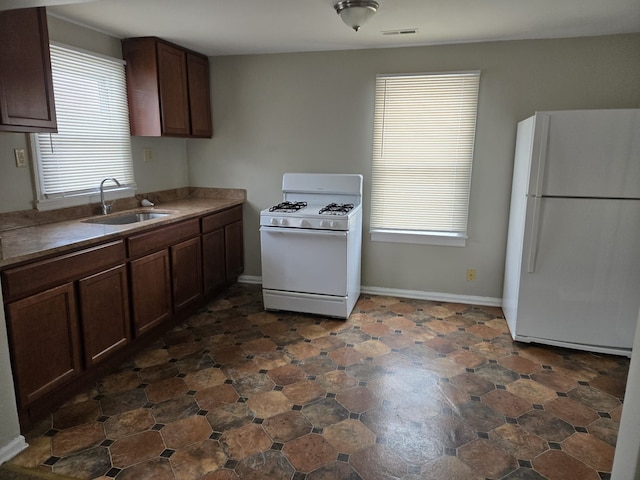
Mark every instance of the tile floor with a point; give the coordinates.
(405, 389)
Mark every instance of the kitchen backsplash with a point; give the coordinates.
(28, 218)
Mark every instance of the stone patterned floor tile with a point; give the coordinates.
(349, 436)
(557, 465)
(406, 389)
(590, 450)
(268, 404)
(78, 438)
(198, 459)
(155, 469)
(245, 441)
(128, 423)
(572, 412)
(186, 432)
(303, 392)
(487, 459)
(136, 448)
(546, 425)
(309, 452)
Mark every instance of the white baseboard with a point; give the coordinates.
(13, 448)
(418, 294)
(434, 296)
(249, 279)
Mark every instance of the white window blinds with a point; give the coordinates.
(93, 140)
(424, 130)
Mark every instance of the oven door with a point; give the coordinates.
(304, 260)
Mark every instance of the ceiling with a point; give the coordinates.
(231, 27)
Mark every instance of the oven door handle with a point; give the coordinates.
(303, 231)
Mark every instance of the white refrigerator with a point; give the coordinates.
(572, 274)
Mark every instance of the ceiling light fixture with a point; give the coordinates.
(355, 13)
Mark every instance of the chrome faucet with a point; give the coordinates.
(106, 207)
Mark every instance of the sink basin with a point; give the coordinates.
(126, 218)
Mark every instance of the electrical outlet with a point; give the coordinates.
(471, 274)
(21, 157)
(147, 154)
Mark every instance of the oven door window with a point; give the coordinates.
(306, 261)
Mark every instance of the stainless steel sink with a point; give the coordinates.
(126, 218)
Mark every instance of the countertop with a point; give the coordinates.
(39, 241)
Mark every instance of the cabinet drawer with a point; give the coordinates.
(162, 237)
(39, 276)
(219, 220)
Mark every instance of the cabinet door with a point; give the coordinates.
(213, 260)
(104, 310)
(151, 290)
(26, 88)
(186, 273)
(44, 340)
(233, 240)
(172, 83)
(199, 98)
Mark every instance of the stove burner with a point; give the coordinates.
(336, 209)
(288, 207)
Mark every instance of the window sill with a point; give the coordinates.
(419, 238)
(45, 204)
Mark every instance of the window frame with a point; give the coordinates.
(90, 194)
(380, 233)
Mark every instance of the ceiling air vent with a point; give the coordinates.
(404, 31)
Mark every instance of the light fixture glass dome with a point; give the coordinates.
(356, 13)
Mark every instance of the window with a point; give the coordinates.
(424, 130)
(93, 140)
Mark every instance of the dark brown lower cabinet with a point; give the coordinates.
(233, 240)
(186, 273)
(150, 290)
(222, 248)
(213, 260)
(104, 309)
(43, 333)
(73, 315)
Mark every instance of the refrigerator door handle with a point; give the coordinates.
(533, 235)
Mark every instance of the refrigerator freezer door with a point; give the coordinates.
(590, 153)
(584, 288)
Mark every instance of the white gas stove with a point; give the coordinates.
(311, 243)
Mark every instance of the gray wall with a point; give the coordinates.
(168, 169)
(312, 112)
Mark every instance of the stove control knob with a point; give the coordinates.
(333, 224)
(324, 223)
(274, 221)
(304, 223)
(284, 221)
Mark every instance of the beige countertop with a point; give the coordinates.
(33, 242)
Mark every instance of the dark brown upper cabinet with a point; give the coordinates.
(168, 89)
(26, 87)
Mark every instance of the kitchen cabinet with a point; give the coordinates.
(26, 87)
(186, 273)
(168, 89)
(75, 315)
(45, 323)
(104, 309)
(168, 259)
(150, 291)
(44, 339)
(222, 248)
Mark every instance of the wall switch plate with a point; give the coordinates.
(471, 274)
(21, 157)
(147, 154)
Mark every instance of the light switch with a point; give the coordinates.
(21, 158)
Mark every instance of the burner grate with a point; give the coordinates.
(336, 209)
(288, 207)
